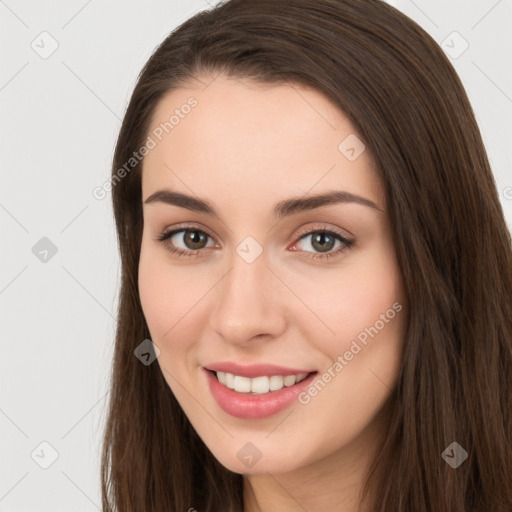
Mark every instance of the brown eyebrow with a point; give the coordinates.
(282, 209)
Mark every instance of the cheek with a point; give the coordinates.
(351, 298)
(366, 309)
(345, 300)
(165, 294)
(368, 298)
(173, 306)
(154, 295)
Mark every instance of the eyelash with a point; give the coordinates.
(180, 253)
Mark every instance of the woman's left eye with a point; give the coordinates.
(194, 240)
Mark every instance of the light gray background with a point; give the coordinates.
(60, 118)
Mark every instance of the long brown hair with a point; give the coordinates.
(400, 91)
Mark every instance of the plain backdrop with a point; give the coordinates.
(68, 69)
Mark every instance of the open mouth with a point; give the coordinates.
(258, 385)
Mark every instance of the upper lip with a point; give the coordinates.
(255, 370)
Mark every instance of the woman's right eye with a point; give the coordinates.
(189, 236)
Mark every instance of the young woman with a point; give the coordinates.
(315, 308)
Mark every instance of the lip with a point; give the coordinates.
(254, 370)
(251, 407)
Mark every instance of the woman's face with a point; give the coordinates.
(260, 282)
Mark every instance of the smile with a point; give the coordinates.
(258, 385)
(255, 397)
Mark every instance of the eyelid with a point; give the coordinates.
(305, 231)
(319, 226)
(185, 227)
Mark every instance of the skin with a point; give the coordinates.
(243, 148)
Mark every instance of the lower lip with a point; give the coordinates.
(251, 407)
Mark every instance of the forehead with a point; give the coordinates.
(233, 138)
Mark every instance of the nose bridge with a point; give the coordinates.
(247, 299)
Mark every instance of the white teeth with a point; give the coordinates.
(242, 384)
(276, 382)
(289, 380)
(258, 385)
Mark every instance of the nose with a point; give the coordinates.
(250, 302)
